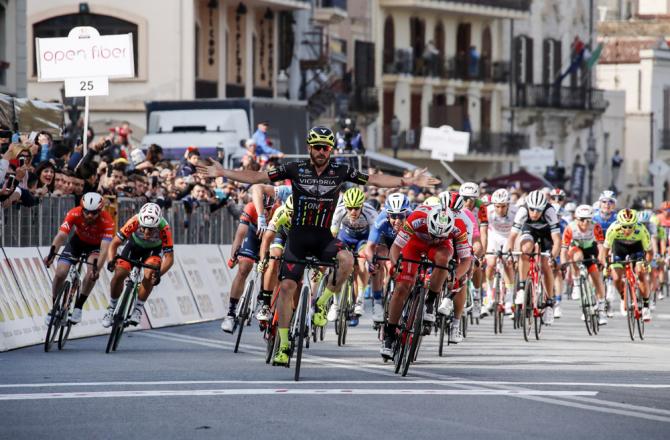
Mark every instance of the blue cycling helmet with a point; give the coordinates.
(396, 203)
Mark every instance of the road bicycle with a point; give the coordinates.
(126, 303)
(301, 321)
(534, 297)
(410, 326)
(498, 292)
(64, 302)
(587, 297)
(443, 322)
(247, 304)
(632, 298)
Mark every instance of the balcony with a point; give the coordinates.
(491, 8)
(554, 97)
(459, 67)
(487, 142)
(364, 100)
(330, 11)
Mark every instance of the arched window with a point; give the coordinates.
(389, 44)
(61, 25)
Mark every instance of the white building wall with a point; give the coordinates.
(654, 7)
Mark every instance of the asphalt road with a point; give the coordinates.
(186, 383)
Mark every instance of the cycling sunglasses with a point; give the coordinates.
(534, 210)
(397, 216)
(609, 202)
(627, 228)
(91, 213)
(325, 148)
(583, 219)
(353, 208)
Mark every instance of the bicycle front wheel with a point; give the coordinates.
(56, 318)
(68, 305)
(414, 330)
(539, 306)
(442, 324)
(304, 295)
(586, 307)
(120, 315)
(245, 312)
(630, 311)
(640, 321)
(527, 311)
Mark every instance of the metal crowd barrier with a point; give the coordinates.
(37, 225)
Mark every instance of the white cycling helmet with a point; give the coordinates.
(570, 207)
(150, 215)
(607, 195)
(536, 200)
(91, 201)
(500, 197)
(584, 211)
(469, 189)
(451, 200)
(440, 222)
(396, 203)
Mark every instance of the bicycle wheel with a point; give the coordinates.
(245, 312)
(304, 295)
(595, 325)
(539, 306)
(586, 308)
(270, 337)
(464, 326)
(640, 321)
(68, 304)
(120, 315)
(630, 312)
(409, 334)
(55, 323)
(527, 311)
(494, 305)
(443, 323)
(343, 315)
(417, 331)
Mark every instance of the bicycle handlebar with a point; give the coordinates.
(138, 263)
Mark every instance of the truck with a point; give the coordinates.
(219, 127)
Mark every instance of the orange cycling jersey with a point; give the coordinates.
(90, 233)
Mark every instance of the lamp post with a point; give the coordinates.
(591, 158)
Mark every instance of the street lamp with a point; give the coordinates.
(591, 158)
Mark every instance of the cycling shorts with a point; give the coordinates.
(251, 244)
(589, 253)
(132, 251)
(543, 237)
(413, 251)
(75, 248)
(278, 242)
(620, 251)
(308, 241)
(494, 242)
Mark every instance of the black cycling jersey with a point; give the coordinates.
(546, 224)
(315, 196)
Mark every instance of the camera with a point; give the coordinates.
(11, 181)
(22, 161)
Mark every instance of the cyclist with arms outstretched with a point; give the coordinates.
(316, 186)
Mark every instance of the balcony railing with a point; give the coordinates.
(364, 100)
(459, 67)
(517, 5)
(498, 143)
(341, 4)
(549, 96)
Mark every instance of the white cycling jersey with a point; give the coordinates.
(498, 228)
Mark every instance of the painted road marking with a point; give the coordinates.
(326, 382)
(285, 391)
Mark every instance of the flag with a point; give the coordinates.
(595, 55)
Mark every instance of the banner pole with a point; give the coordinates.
(85, 124)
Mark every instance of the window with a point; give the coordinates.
(523, 59)
(61, 25)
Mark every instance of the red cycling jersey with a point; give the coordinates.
(415, 240)
(91, 233)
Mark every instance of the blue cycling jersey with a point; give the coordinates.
(604, 222)
(382, 231)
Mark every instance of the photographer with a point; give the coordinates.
(349, 139)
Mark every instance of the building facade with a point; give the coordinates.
(636, 61)
(13, 47)
(447, 63)
(184, 49)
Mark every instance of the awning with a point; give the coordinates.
(387, 163)
(521, 179)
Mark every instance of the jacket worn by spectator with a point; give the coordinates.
(262, 147)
